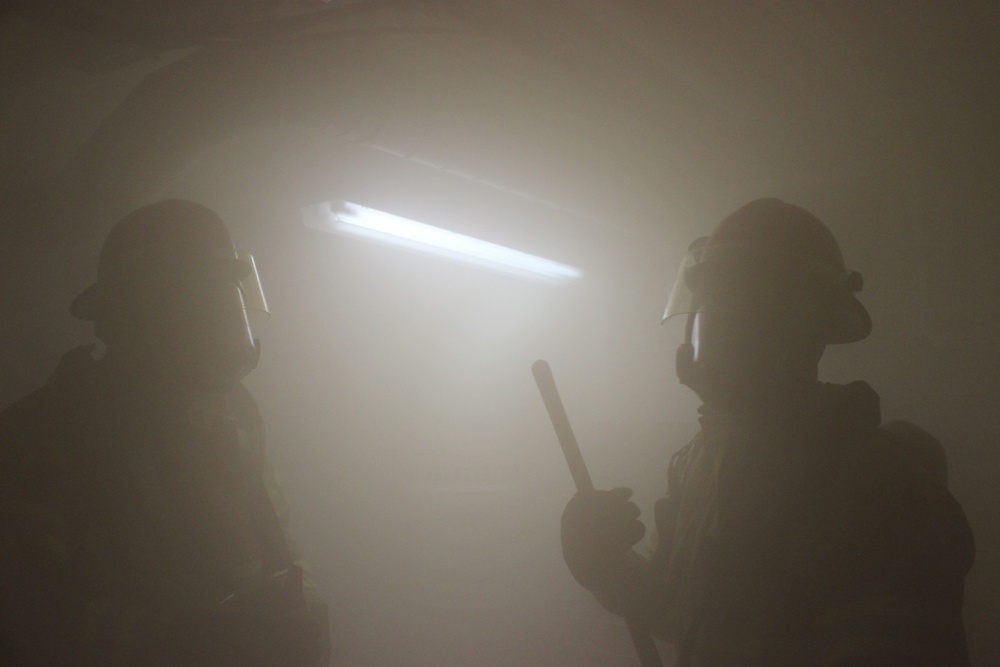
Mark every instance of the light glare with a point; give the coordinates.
(368, 223)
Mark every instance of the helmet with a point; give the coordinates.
(771, 245)
(166, 242)
(171, 296)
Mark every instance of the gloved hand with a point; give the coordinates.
(599, 529)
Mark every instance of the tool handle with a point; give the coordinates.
(643, 642)
(560, 422)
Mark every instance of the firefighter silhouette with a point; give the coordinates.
(797, 529)
(141, 525)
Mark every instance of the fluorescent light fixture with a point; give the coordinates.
(367, 223)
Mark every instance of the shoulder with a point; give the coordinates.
(912, 443)
(40, 407)
(35, 447)
(894, 485)
(899, 454)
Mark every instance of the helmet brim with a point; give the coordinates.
(851, 324)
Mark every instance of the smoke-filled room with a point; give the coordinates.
(430, 333)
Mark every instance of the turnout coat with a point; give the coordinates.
(123, 517)
(814, 537)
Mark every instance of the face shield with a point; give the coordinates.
(681, 299)
(215, 341)
(248, 281)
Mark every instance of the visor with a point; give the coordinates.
(253, 291)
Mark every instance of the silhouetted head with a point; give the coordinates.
(171, 297)
(764, 295)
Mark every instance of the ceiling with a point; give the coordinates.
(610, 109)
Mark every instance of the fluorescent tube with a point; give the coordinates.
(367, 223)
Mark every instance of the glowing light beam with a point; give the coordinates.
(359, 221)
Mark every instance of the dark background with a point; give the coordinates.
(423, 476)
